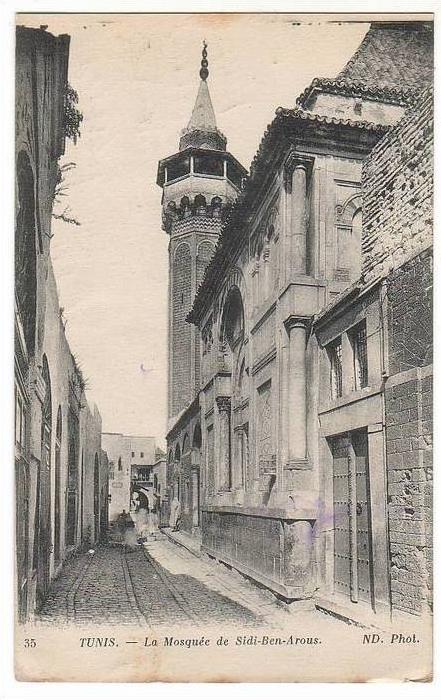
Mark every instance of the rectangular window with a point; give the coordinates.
(359, 345)
(133, 454)
(178, 168)
(334, 350)
(142, 455)
(208, 165)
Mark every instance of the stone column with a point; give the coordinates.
(298, 219)
(224, 408)
(297, 327)
(296, 172)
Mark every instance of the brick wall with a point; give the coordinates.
(409, 296)
(397, 187)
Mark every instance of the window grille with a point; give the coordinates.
(335, 357)
(359, 344)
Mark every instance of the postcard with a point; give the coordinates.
(223, 347)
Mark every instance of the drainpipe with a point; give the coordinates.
(384, 340)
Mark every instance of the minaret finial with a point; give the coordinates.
(204, 63)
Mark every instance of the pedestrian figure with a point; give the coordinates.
(122, 524)
(175, 514)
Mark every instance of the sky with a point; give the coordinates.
(137, 78)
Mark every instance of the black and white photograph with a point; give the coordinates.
(223, 347)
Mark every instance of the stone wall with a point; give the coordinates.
(397, 240)
(398, 193)
(409, 396)
(269, 547)
(409, 490)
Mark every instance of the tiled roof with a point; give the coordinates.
(393, 60)
(391, 94)
(393, 54)
(287, 121)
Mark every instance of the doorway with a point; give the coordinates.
(353, 573)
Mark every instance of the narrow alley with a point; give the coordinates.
(160, 583)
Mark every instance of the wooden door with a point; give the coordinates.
(352, 520)
(342, 523)
(363, 519)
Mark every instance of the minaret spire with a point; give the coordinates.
(201, 130)
(204, 62)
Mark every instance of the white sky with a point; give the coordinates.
(137, 78)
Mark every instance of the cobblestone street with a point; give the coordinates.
(161, 583)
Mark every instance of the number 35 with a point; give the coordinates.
(30, 643)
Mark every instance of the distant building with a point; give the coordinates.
(136, 471)
(310, 428)
(61, 488)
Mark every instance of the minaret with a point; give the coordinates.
(199, 183)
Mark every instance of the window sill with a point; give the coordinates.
(353, 397)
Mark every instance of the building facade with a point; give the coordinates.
(136, 472)
(298, 487)
(60, 488)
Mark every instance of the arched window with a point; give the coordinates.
(356, 243)
(348, 244)
(57, 524)
(216, 207)
(119, 464)
(197, 437)
(177, 453)
(231, 340)
(232, 326)
(185, 444)
(26, 251)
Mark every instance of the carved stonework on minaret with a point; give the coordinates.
(200, 183)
